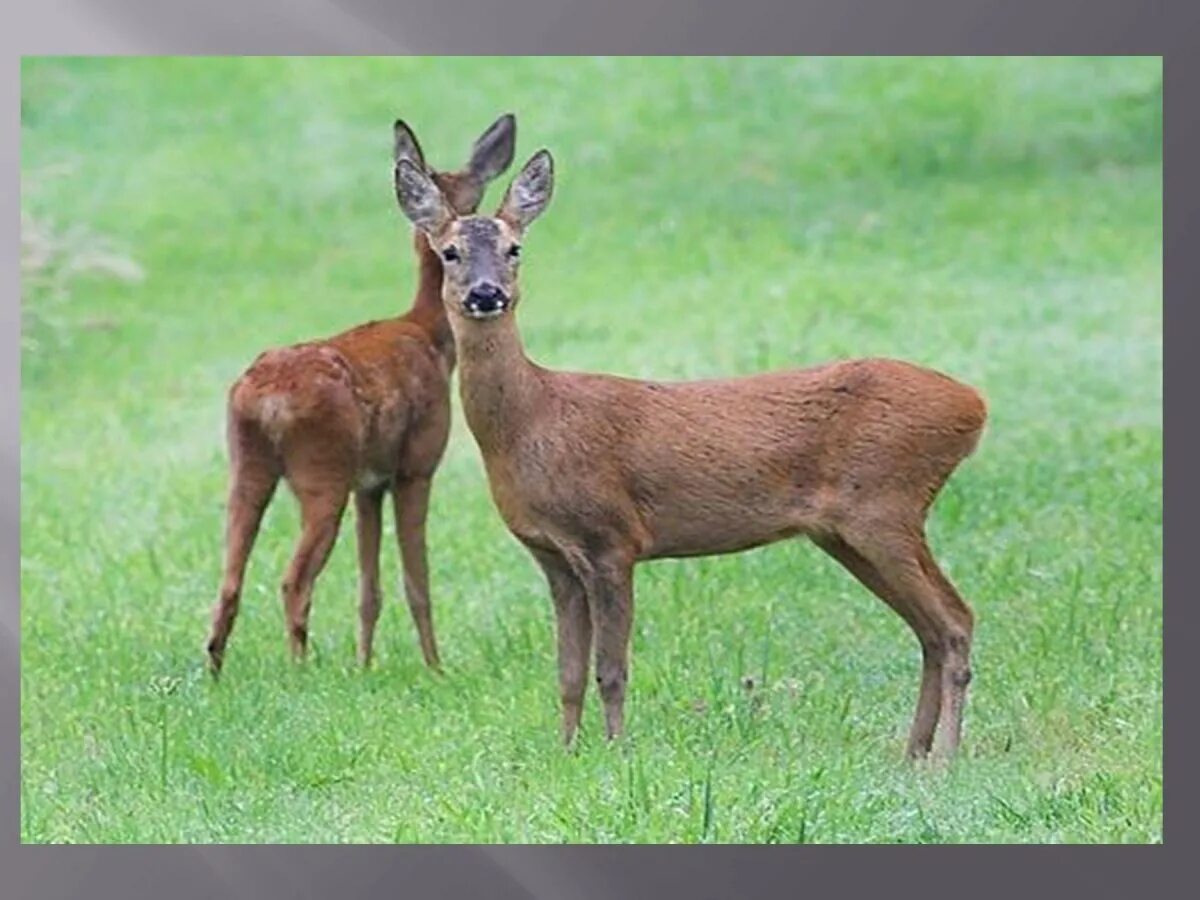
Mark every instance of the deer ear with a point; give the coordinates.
(530, 192)
(420, 198)
(406, 145)
(493, 151)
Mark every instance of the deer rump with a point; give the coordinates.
(362, 412)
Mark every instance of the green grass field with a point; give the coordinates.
(998, 219)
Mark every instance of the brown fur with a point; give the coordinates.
(363, 412)
(595, 472)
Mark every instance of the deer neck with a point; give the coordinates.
(497, 382)
(427, 310)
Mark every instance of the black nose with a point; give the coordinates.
(486, 298)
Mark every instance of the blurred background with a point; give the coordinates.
(995, 218)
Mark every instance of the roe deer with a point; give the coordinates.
(593, 473)
(365, 411)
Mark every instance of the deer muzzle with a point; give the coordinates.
(485, 301)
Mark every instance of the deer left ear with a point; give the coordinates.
(530, 192)
(420, 198)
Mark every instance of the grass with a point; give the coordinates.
(998, 219)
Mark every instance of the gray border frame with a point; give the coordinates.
(1151, 27)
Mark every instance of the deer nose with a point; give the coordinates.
(486, 299)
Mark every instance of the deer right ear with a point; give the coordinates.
(530, 192)
(493, 151)
(420, 198)
(406, 145)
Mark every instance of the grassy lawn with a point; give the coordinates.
(997, 219)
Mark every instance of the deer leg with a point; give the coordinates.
(368, 510)
(574, 627)
(959, 627)
(252, 485)
(321, 514)
(411, 502)
(609, 589)
(943, 622)
(929, 699)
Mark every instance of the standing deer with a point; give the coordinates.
(593, 473)
(363, 412)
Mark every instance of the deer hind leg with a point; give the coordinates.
(956, 665)
(929, 699)
(253, 477)
(322, 497)
(910, 582)
(368, 508)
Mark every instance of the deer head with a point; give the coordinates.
(480, 255)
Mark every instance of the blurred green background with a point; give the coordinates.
(998, 219)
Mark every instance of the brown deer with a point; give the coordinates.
(364, 412)
(593, 473)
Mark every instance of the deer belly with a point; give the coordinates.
(382, 449)
(377, 464)
(372, 479)
(711, 536)
(718, 512)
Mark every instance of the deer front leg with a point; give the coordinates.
(368, 505)
(610, 598)
(574, 627)
(411, 502)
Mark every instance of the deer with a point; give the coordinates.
(365, 412)
(594, 473)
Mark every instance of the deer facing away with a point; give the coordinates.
(593, 473)
(364, 412)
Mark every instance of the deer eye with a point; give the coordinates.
(450, 254)
(514, 251)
